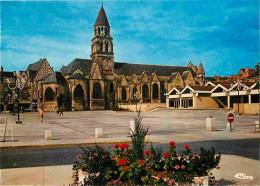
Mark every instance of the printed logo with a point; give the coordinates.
(243, 176)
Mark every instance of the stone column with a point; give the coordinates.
(228, 100)
(193, 102)
(249, 99)
(180, 103)
(167, 102)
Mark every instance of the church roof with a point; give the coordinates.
(102, 18)
(55, 77)
(200, 69)
(77, 76)
(37, 65)
(185, 75)
(172, 77)
(83, 65)
(138, 69)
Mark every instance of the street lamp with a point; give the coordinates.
(239, 86)
(19, 84)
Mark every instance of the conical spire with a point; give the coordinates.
(102, 18)
(200, 69)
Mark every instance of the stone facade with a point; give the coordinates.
(102, 83)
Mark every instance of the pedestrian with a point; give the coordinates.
(41, 113)
(61, 111)
(58, 110)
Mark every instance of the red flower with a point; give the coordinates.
(167, 154)
(121, 161)
(79, 156)
(172, 146)
(152, 170)
(186, 146)
(151, 155)
(172, 143)
(123, 146)
(177, 166)
(103, 157)
(113, 158)
(116, 146)
(183, 167)
(159, 176)
(217, 167)
(126, 167)
(141, 162)
(147, 152)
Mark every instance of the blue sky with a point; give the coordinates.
(224, 35)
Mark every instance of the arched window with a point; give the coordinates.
(98, 30)
(106, 46)
(105, 30)
(78, 92)
(49, 94)
(155, 91)
(111, 87)
(97, 94)
(134, 92)
(101, 30)
(123, 93)
(145, 91)
(101, 46)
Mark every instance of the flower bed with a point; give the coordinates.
(139, 167)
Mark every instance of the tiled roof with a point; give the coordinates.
(210, 79)
(185, 75)
(179, 88)
(44, 77)
(37, 65)
(77, 76)
(55, 77)
(102, 18)
(83, 65)
(138, 69)
(202, 88)
(172, 77)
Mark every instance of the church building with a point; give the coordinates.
(102, 83)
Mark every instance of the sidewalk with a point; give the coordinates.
(59, 175)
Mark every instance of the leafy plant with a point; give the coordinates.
(138, 137)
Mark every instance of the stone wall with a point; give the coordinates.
(143, 107)
(246, 108)
(204, 102)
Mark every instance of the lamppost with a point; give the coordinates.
(18, 84)
(239, 86)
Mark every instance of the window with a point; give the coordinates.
(123, 93)
(135, 92)
(106, 46)
(145, 91)
(101, 46)
(49, 94)
(78, 92)
(97, 94)
(155, 91)
(111, 87)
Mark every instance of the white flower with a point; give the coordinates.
(97, 175)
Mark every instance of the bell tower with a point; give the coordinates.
(102, 43)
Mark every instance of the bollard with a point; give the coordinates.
(48, 134)
(132, 126)
(98, 132)
(257, 126)
(210, 124)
